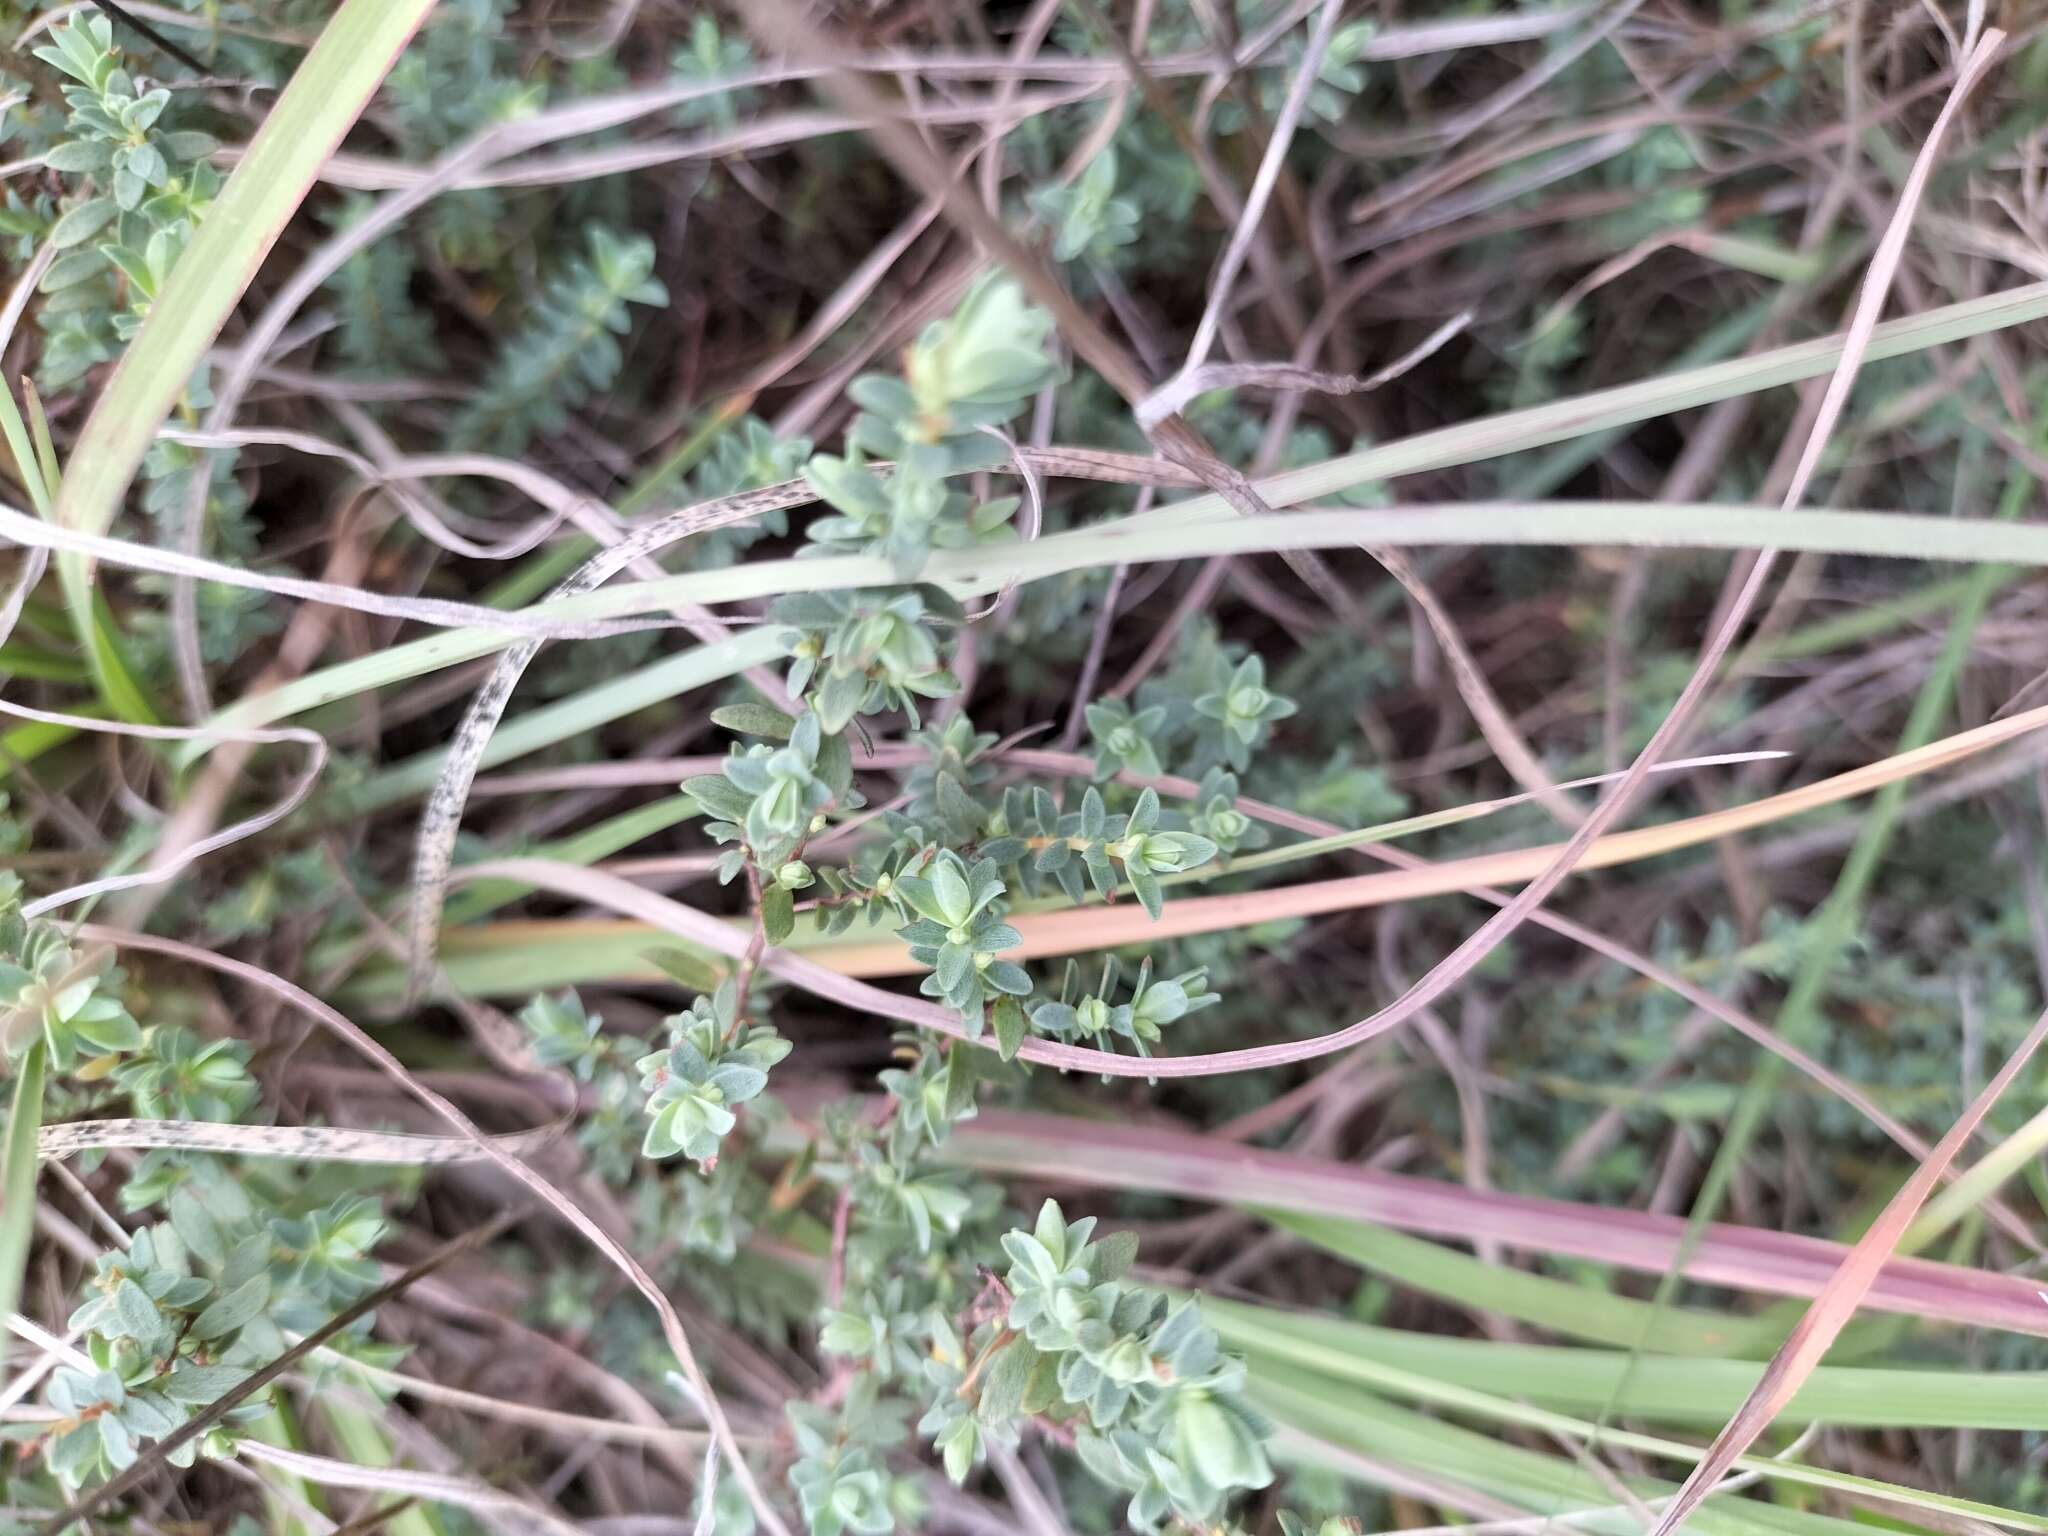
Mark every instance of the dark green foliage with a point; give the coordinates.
(568, 348)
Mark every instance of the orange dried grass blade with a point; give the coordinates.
(1080, 930)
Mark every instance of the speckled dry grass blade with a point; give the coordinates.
(305, 1143)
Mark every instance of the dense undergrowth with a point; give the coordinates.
(865, 1035)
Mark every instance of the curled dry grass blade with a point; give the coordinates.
(434, 843)
(294, 796)
(69, 543)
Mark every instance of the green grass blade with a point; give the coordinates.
(1141, 539)
(27, 462)
(477, 963)
(1667, 1389)
(586, 847)
(18, 1180)
(47, 462)
(26, 743)
(1136, 540)
(363, 1438)
(1548, 1485)
(327, 92)
(1560, 420)
(1573, 1310)
(1316, 1353)
(1487, 438)
(1548, 471)
(108, 666)
(1835, 921)
(1977, 1183)
(40, 665)
(113, 673)
(570, 717)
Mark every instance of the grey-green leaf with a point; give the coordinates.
(231, 1311)
(778, 913)
(82, 223)
(754, 720)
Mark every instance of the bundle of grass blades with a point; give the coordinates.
(1216, 767)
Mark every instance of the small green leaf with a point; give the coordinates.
(1218, 1445)
(1110, 1258)
(690, 971)
(961, 1078)
(116, 1442)
(197, 1385)
(83, 222)
(233, 1310)
(949, 889)
(71, 268)
(660, 1140)
(1009, 1027)
(754, 720)
(80, 157)
(778, 913)
(135, 1313)
(1145, 886)
(1003, 1382)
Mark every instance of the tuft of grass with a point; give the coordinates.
(947, 534)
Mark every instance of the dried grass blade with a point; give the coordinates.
(1104, 1154)
(294, 796)
(1838, 1301)
(1839, 1298)
(435, 1487)
(1083, 929)
(313, 1143)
